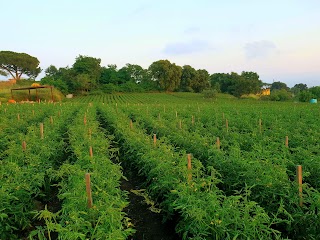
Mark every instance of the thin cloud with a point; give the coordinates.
(260, 49)
(183, 48)
(191, 30)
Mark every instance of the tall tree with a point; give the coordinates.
(223, 80)
(89, 66)
(51, 71)
(189, 74)
(297, 88)
(167, 74)
(252, 82)
(110, 75)
(278, 86)
(18, 64)
(201, 81)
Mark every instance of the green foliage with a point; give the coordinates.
(315, 91)
(305, 96)
(189, 74)
(201, 81)
(18, 64)
(89, 66)
(278, 86)
(235, 84)
(209, 93)
(299, 88)
(57, 83)
(167, 74)
(280, 95)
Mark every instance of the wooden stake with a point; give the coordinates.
(51, 120)
(287, 141)
(189, 168)
(180, 124)
(131, 124)
(41, 130)
(164, 108)
(154, 139)
(32, 112)
(218, 143)
(18, 116)
(59, 113)
(90, 151)
(159, 117)
(260, 125)
(176, 114)
(88, 189)
(24, 145)
(192, 120)
(223, 115)
(85, 119)
(227, 125)
(299, 180)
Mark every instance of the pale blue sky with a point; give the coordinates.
(278, 39)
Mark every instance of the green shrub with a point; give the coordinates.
(210, 93)
(280, 95)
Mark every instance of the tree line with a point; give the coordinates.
(87, 76)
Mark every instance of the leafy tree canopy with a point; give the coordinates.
(167, 74)
(278, 86)
(18, 64)
(89, 66)
(188, 75)
(201, 81)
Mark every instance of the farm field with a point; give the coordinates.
(214, 169)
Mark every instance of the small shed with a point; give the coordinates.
(30, 88)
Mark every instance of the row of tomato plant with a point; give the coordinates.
(76, 220)
(269, 181)
(25, 170)
(203, 210)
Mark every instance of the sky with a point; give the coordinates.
(278, 39)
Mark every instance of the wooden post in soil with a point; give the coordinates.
(218, 143)
(89, 133)
(24, 146)
(117, 107)
(85, 119)
(88, 189)
(299, 180)
(189, 168)
(260, 125)
(227, 125)
(287, 141)
(164, 108)
(51, 120)
(159, 117)
(32, 112)
(180, 124)
(176, 114)
(18, 117)
(192, 120)
(223, 116)
(131, 124)
(90, 152)
(154, 140)
(41, 130)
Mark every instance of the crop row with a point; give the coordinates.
(204, 211)
(25, 173)
(268, 181)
